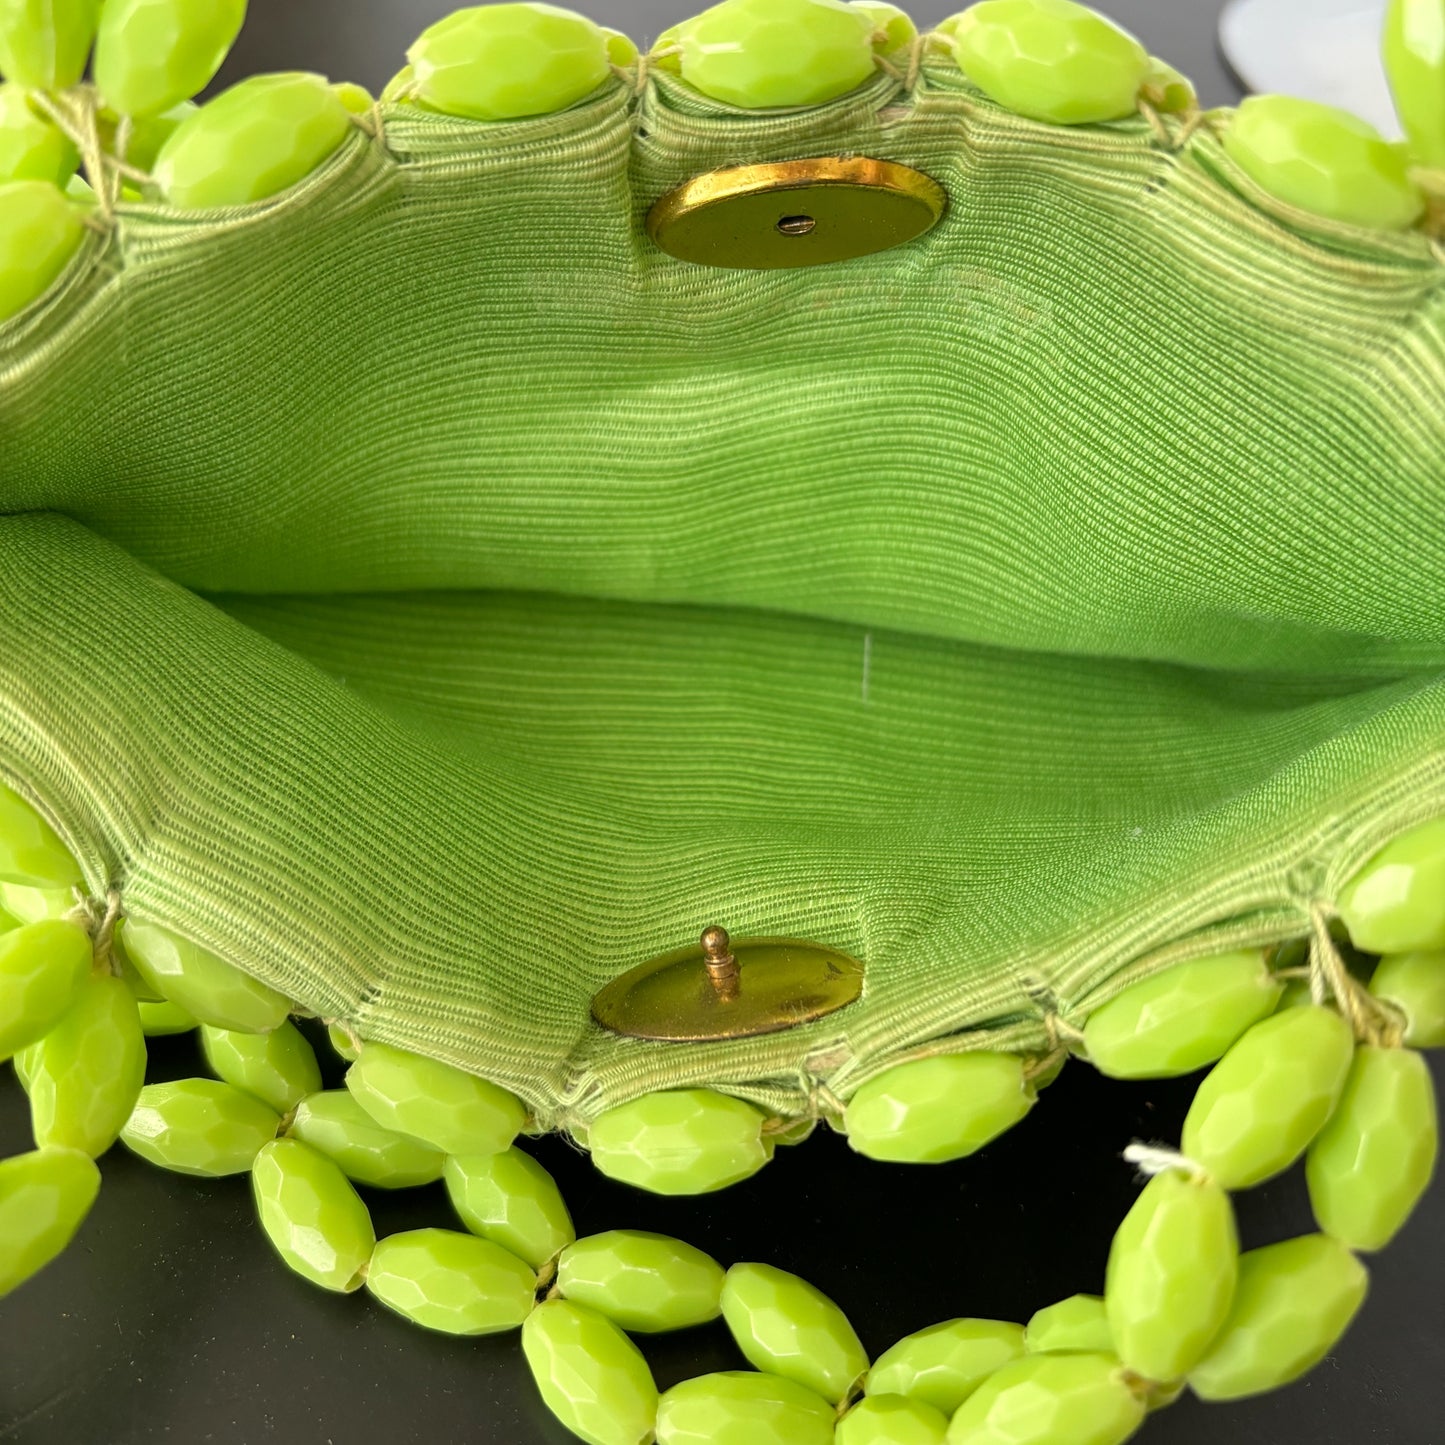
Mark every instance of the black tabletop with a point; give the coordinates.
(171, 1320)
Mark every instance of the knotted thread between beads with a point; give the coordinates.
(99, 917)
(1152, 1159)
(1369, 1019)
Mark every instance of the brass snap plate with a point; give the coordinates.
(722, 988)
(795, 213)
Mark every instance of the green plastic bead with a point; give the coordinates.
(452, 1282)
(253, 141)
(621, 49)
(761, 53)
(160, 1019)
(209, 989)
(1051, 60)
(279, 1068)
(313, 1217)
(893, 29)
(31, 149)
(29, 905)
(944, 1364)
(511, 1200)
(399, 87)
(501, 62)
(199, 1126)
(341, 1044)
(738, 1408)
(1171, 1275)
(590, 1375)
(785, 1326)
(1261, 1105)
(1051, 1400)
(1396, 902)
(426, 1099)
(87, 1071)
(1166, 89)
(148, 134)
(1293, 1303)
(1329, 162)
(1415, 64)
(1376, 1156)
(44, 44)
(933, 1110)
(43, 967)
(37, 225)
(24, 1063)
(356, 98)
(1415, 984)
(153, 54)
(44, 1197)
(644, 1282)
(333, 1123)
(1181, 1018)
(1079, 1324)
(682, 1141)
(892, 1420)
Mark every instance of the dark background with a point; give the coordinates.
(171, 1320)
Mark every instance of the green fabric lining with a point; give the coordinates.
(1017, 610)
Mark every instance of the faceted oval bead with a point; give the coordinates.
(1171, 1275)
(760, 53)
(1293, 1303)
(44, 44)
(33, 218)
(312, 1215)
(44, 1197)
(399, 87)
(1051, 60)
(1325, 161)
(333, 1123)
(30, 905)
(253, 141)
(739, 1408)
(31, 149)
(893, 29)
(501, 62)
(1166, 89)
(1181, 1018)
(621, 49)
(1415, 984)
(199, 1126)
(157, 1020)
(43, 967)
(590, 1375)
(1396, 902)
(278, 1068)
(1261, 1105)
(356, 98)
(453, 1111)
(891, 1420)
(149, 133)
(944, 1364)
(785, 1326)
(511, 1200)
(933, 1110)
(153, 54)
(681, 1141)
(1050, 1400)
(452, 1282)
(209, 989)
(87, 1072)
(1415, 64)
(1077, 1324)
(644, 1282)
(1375, 1158)
(342, 1044)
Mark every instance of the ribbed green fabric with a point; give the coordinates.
(1026, 606)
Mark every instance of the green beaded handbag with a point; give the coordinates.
(805, 576)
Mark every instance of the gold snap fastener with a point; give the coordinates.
(724, 988)
(795, 213)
